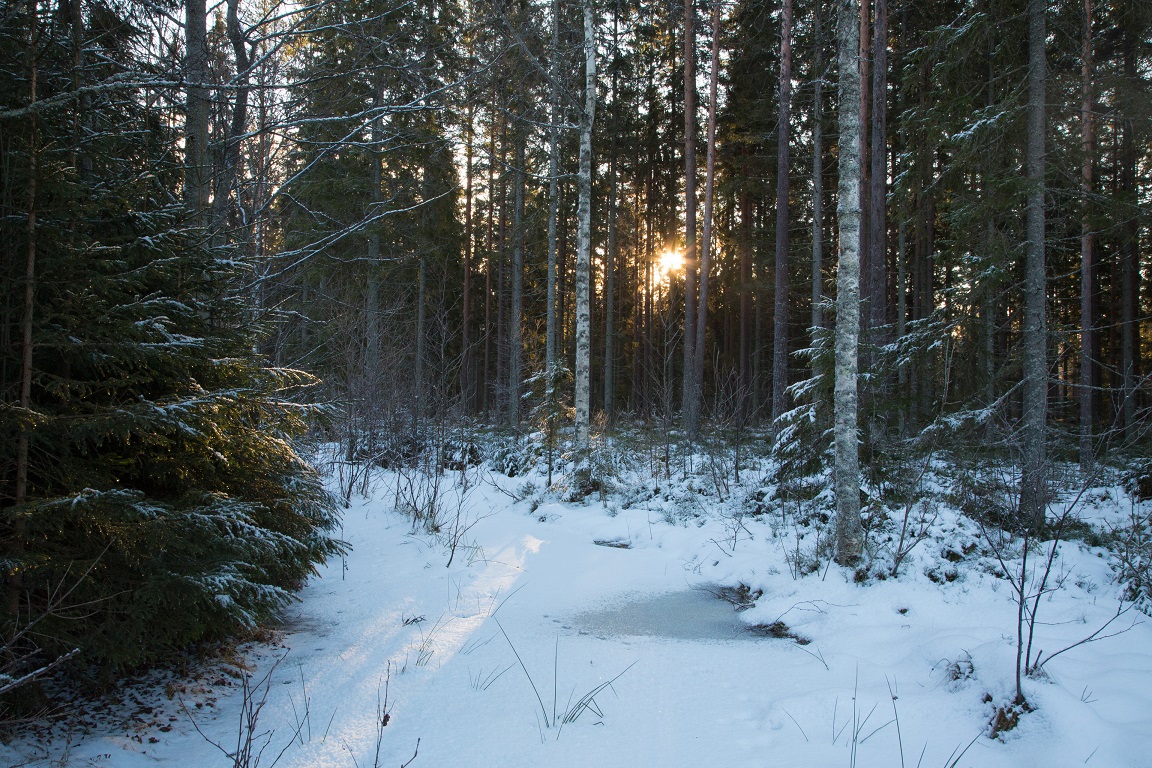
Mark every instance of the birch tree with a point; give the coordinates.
(849, 535)
(584, 235)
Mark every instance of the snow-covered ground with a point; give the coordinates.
(589, 634)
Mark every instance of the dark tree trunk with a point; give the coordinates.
(1087, 331)
(1035, 329)
(197, 172)
(699, 348)
(877, 197)
(15, 582)
(515, 312)
(691, 399)
(467, 388)
(817, 318)
(783, 170)
(226, 177)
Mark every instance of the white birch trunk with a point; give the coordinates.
(584, 237)
(849, 535)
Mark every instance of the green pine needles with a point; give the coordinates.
(161, 459)
(150, 492)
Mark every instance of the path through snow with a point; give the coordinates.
(532, 595)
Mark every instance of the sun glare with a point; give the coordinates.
(670, 262)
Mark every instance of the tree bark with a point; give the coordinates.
(515, 311)
(238, 126)
(1129, 248)
(709, 194)
(197, 172)
(865, 45)
(613, 255)
(744, 245)
(1087, 331)
(466, 365)
(421, 333)
(584, 236)
(691, 399)
(15, 580)
(878, 180)
(817, 320)
(372, 330)
(553, 189)
(849, 533)
(780, 304)
(1035, 331)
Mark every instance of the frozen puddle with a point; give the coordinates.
(695, 614)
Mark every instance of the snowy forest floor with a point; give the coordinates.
(536, 628)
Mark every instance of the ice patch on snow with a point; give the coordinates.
(694, 614)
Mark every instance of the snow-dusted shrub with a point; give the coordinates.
(511, 456)
(1132, 553)
(1138, 480)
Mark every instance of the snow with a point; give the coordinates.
(547, 600)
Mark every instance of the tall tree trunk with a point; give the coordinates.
(1129, 247)
(421, 333)
(783, 170)
(500, 379)
(489, 267)
(15, 581)
(197, 172)
(466, 365)
(553, 188)
(640, 296)
(878, 181)
(82, 119)
(691, 399)
(902, 316)
(817, 320)
(875, 236)
(849, 533)
(613, 255)
(515, 312)
(699, 347)
(865, 169)
(372, 298)
(744, 246)
(1087, 331)
(584, 236)
(1035, 331)
(226, 178)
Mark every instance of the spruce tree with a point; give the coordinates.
(163, 493)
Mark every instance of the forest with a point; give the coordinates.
(855, 236)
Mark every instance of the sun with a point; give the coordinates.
(670, 262)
